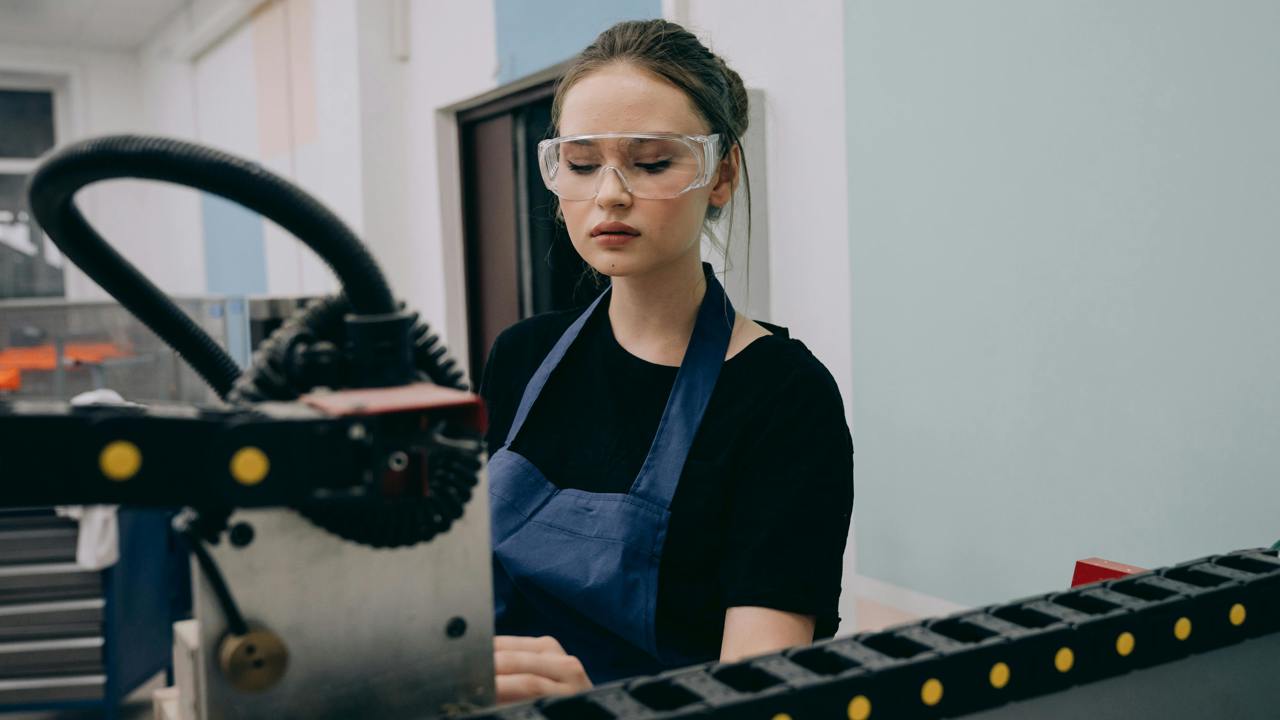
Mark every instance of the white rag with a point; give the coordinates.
(98, 542)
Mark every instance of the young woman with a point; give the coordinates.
(671, 482)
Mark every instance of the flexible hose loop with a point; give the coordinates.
(64, 172)
(308, 351)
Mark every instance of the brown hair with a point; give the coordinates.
(677, 56)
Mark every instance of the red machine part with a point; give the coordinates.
(419, 397)
(1094, 569)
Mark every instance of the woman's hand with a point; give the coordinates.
(528, 668)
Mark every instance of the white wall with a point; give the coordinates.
(168, 104)
(364, 83)
(340, 96)
(278, 83)
(327, 160)
(453, 58)
(1064, 221)
(280, 87)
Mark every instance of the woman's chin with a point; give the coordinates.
(616, 263)
(632, 260)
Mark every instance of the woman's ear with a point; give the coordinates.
(726, 178)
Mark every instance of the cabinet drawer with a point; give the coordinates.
(39, 544)
(65, 656)
(30, 691)
(47, 581)
(53, 619)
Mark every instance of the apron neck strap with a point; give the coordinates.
(549, 363)
(690, 396)
(695, 381)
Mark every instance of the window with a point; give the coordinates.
(30, 265)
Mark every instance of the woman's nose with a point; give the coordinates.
(612, 191)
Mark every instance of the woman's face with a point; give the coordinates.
(623, 98)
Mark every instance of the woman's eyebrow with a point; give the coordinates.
(631, 140)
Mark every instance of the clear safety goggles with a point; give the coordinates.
(654, 166)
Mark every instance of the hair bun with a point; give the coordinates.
(738, 96)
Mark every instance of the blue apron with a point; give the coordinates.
(583, 566)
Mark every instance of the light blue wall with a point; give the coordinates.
(1065, 236)
(234, 254)
(532, 35)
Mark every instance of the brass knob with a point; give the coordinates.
(253, 662)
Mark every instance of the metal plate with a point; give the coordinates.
(365, 629)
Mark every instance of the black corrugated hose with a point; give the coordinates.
(65, 171)
(310, 350)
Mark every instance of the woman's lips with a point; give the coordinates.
(613, 234)
(613, 239)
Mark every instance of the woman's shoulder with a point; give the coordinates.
(786, 359)
(516, 354)
(537, 332)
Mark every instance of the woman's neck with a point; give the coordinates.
(653, 315)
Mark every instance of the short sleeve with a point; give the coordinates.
(790, 508)
(496, 392)
(513, 359)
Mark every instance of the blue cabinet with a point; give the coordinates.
(76, 638)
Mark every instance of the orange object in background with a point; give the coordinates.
(1094, 569)
(10, 379)
(45, 357)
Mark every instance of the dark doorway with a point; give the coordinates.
(519, 260)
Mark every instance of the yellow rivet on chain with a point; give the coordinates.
(999, 675)
(249, 466)
(1237, 615)
(931, 692)
(859, 708)
(1182, 628)
(1064, 660)
(1125, 643)
(120, 460)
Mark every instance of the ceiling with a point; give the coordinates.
(92, 24)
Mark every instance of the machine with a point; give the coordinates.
(348, 456)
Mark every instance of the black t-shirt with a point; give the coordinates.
(761, 512)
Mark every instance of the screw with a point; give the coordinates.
(398, 461)
(456, 628)
(241, 534)
(357, 432)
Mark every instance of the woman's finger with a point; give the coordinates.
(543, 644)
(560, 668)
(515, 688)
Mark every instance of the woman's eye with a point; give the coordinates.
(654, 167)
(582, 169)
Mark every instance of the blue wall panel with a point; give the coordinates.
(234, 256)
(532, 36)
